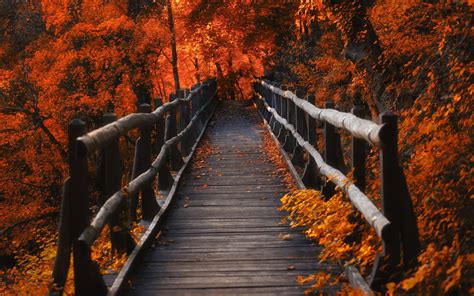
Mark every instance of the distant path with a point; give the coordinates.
(223, 235)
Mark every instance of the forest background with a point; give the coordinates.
(68, 59)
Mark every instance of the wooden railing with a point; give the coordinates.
(182, 122)
(293, 119)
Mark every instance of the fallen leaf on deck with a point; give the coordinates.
(283, 236)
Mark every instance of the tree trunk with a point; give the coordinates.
(174, 54)
(362, 45)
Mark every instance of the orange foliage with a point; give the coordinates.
(67, 59)
(427, 67)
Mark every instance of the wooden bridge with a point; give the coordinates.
(212, 224)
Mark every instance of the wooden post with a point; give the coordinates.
(181, 110)
(272, 103)
(174, 153)
(300, 126)
(165, 180)
(195, 100)
(266, 114)
(359, 153)
(390, 181)
(283, 113)
(186, 142)
(194, 110)
(201, 102)
(290, 142)
(386, 264)
(87, 278)
(119, 235)
(330, 152)
(311, 177)
(140, 165)
(278, 126)
(63, 249)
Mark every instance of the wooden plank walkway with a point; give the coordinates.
(223, 236)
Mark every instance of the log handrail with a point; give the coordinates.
(92, 232)
(76, 234)
(292, 116)
(371, 213)
(358, 127)
(98, 138)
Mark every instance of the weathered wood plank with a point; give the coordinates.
(281, 290)
(223, 235)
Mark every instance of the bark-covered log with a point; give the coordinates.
(357, 127)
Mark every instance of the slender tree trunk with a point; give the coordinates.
(196, 68)
(174, 54)
(53, 139)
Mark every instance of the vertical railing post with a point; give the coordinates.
(283, 113)
(63, 249)
(330, 156)
(266, 114)
(174, 153)
(119, 235)
(181, 110)
(87, 278)
(311, 177)
(257, 90)
(359, 154)
(200, 103)
(272, 104)
(141, 164)
(289, 144)
(386, 264)
(194, 110)
(195, 100)
(300, 126)
(186, 141)
(278, 126)
(165, 180)
(390, 180)
(180, 121)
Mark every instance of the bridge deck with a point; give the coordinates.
(224, 234)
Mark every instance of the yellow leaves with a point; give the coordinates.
(326, 222)
(391, 288)
(454, 275)
(319, 281)
(408, 284)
